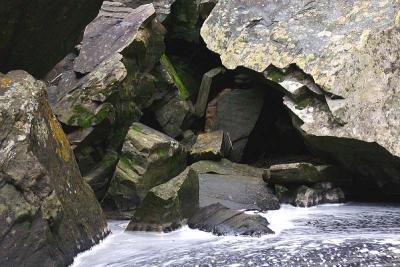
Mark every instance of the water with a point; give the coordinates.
(327, 235)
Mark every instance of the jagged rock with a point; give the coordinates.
(212, 145)
(221, 220)
(349, 49)
(204, 91)
(173, 113)
(162, 7)
(102, 88)
(236, 186)
(149, 158)
(48, 214)
(35, 35)
(167, 206)
(232, 108)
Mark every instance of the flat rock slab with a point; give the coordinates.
(236, 192)
(221, 220)
(104, 37)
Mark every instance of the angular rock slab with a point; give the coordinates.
(48, 214)
(236, 113)
(167, 206)
(212, 145)
(114, 38)
(221, 220)
(148, 159)
(236, 186)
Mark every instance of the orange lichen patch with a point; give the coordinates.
(5, 81)
(63, 149)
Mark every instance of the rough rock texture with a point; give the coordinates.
(307, 196)
(221, 220)
(167, 206)
(231, 109)
(350, 49)
(162, 7)
(149, 158)
(237, 186)
(48, 213)
(212, 145)
(100, 90)
(296, 173)
(35, 35)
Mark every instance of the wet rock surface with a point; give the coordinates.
(149, 158)
(48, 214)
(221, 220)
(167, 206)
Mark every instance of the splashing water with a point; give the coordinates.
(342, 235)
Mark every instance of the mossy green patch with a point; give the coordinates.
(183, 90)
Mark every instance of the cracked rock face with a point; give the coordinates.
(48, 214)
(350, 52)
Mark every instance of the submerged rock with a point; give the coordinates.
(149, 158)
(48, 214)
(167, 206)
(35, 35)
(231, 109)
(348, 50)
(212, 145)
(236, 186)
(221, 220)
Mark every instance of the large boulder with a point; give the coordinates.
(48, 214)
(347, 52)
(148, 158)
(221, 220)
(98, 91)
(236, 186)
(231, 109)
(167, 206)
(35, 35)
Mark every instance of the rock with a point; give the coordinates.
(173, 114)
(213, 145)
(204, 91)
(162, 7)
(104, 86)
(149, 158)
(24, 42)
(232, 108)
(221, 220)
(295, 173)
(355, 122)
(48, 214)
(226, 167)
(304, 196)
(167, 206)
(236, 186)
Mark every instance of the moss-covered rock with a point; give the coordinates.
(149, 158)
(167, 206)
(48, 214)
(213, 145)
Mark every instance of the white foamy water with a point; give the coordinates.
(341, 235)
